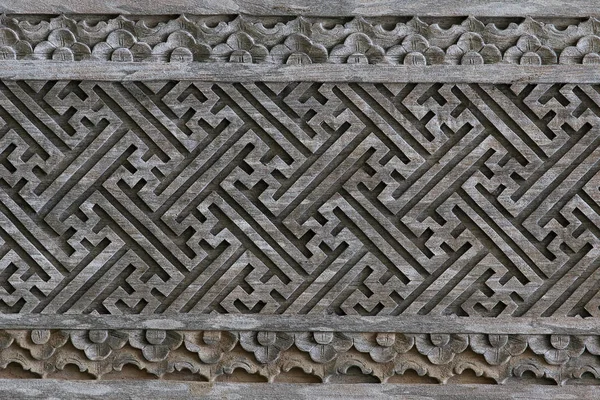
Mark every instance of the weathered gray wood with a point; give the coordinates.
(279, 357)
(292, 323)
(122, 72)
(300, 40)
(267, 204)
(49, 389)
(546, 8)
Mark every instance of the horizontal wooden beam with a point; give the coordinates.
(448, 8)
(37, 388)
(135, 71)
(300, 323)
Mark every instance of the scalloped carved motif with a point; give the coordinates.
(299, 40)
(212, 355)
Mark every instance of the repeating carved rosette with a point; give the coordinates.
(498, 349)
(98, 344)
(472, 50)
(62, 46)
(298, 49)
(585, 52)
(156, 344)
(557, 349)
(383, 347)
(266, 346)
(210, 345)
(358, 48)
(530, 51)
(240, 48)
(297, 41)
(181, 46)
(11, 47)
(42, 343)
(327, 356)
(323, 346)
(415, 50)
(441, 348)
(121, 45)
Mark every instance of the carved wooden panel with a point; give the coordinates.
(300, 197)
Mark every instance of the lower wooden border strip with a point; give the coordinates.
(39, 389)
(289, 323)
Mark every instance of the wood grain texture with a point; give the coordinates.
(449, 8)
(122, 72)
(242, 39)
(300, 192)
(280, 357)
(155, 198)
(36, 389)
(283, 323)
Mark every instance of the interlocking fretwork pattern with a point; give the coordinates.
(299, 198)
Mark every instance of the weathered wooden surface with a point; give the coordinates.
(144, 224)
(443, 8)
(51, 389)
(322, 194)
(123, 72)
(301, 357)
(174, 198)
(245, 39)
(316, 323)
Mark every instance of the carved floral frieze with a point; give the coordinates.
(297, 40)
(326, 356)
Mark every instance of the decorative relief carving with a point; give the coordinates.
(300, 40)
(300, 198)
(199, 197)
(327, 356)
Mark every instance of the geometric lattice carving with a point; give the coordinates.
(299, 198)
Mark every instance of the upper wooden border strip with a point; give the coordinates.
(367, 8)
(135, 71)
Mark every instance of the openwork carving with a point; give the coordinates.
(190, 197)
(172, 195)
(300, 40)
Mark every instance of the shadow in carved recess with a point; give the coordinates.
(15, 371)
(129, 372)
(410, 376)
(351, 375)
(587, 378)
(297, 375)
(238, 375)
(529, 378)
(71, 372)
(469, 376)
(354, 375)
(184, 375)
